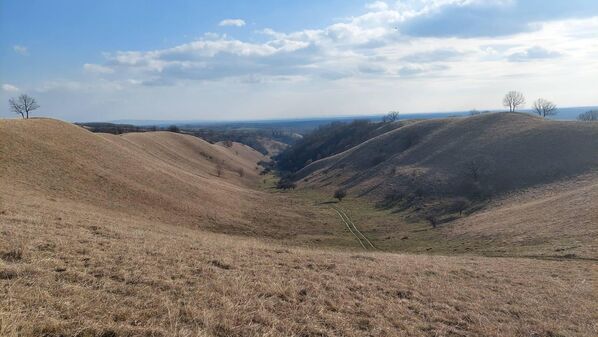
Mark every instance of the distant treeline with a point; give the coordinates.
(250, 137)
(117, 129)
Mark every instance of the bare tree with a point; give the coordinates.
(391, 117)
(513, 100)
(588, 116)
(23, 105)
(544, 107)
(218, 169)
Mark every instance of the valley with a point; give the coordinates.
(164, 234)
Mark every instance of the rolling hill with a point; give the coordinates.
(166, 177)
(477, 157)
(104, 236)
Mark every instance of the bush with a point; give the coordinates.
(285, 184)
(174, 128)
(433, 220)
(340, 194)
(459, 205)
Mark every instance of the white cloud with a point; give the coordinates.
(21, 50)
(360, 64)
(533, 53)
(9, 87)
(377, 5)
(97, 69)
(232, 22)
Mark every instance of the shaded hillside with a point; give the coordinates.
(476, 157)
(329, 140)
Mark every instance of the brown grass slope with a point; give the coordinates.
(98, 238)
(558, 219)
(67, 270)
(512, 150)
(170, 176)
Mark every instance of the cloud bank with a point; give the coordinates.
(464, 53)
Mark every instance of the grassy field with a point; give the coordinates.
(71, 271)
(536, 231)
(104, 236)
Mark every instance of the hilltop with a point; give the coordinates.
(476, 157)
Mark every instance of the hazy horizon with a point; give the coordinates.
(266, 60)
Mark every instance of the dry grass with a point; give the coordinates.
(513, 151)
(161, 176)
(106, 236)
(559, 219)
(90, 274)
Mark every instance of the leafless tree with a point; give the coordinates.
(218, 170)
(588, 116)
(23, 105)
(391, 117)
(460, 205)
(241, 172)
(544, 107)
(513, 100)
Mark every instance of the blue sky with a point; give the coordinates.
(104, 60)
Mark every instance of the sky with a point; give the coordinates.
(107, 60)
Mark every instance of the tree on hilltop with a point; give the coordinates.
(23, 105)
(544, 107)
(391, 117)
(588, 116)
(513, 100)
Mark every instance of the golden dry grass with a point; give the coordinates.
(559, 219)
(100, 274)
(167, 177)
(106, 236)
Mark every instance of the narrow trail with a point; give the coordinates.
(363, 240)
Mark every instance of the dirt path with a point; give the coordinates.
(363, 240)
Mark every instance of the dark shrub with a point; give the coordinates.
(285, 184)
(340, 194)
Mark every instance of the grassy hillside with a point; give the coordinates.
(104, 235)
(68, 270)
(329, 140)
(476, 157)
(162, 176)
